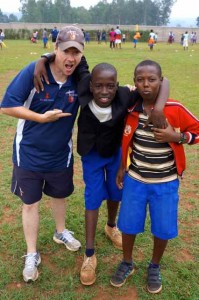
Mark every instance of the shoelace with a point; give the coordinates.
(88, 263)
(68, 235)
(115, 232)
(30, 261)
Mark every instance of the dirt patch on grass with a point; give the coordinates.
(185, 255)
(15, 285)
(113, 294)
(8, 216)
(5, 79)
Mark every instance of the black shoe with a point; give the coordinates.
(123, 271)
(154, 280)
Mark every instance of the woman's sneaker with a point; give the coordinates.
(30, 272)
(123, 271)
(154, 280)
(66, 238)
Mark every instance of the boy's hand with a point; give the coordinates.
(40, 74)
(157, 118)
(166, 135)
(120, 178)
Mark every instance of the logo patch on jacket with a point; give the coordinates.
(71, 96)
(47, 98)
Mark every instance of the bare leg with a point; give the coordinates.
(158, 250)
(128, 241)
(112, 207)
(59, 213)
(30, 220)
(91, 218)
(110, 229)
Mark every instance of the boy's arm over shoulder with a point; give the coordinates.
(82, 69)
(40, 72)
(157, 116)
(126, 95)
(83, 90)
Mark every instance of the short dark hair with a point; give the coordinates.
(103, 66)
(148, 62)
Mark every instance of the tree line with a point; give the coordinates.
(126, 12)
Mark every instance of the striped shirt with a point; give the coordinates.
(151, 161)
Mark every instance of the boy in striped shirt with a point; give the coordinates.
(156, 159)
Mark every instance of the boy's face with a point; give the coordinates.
(104, 86)
(148, 80)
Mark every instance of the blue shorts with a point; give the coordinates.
(99, 175)
(162, 199)
(29, 185)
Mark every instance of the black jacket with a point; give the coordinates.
(104, 137)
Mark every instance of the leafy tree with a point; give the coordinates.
(62, 11)
(3, 18)
(132, 12)
(29, 11)
(80, 15)
(164, 10)
(45, 12)
(12, 18)
(148, 12)
(100, 13)
(197, 22)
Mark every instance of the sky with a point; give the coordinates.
(182, 8)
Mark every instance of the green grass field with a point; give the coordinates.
(59, 271)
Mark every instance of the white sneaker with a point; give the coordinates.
(30, 272)
(66, 238)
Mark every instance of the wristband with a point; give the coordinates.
(183, 138)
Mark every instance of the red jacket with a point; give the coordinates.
(180, 118)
